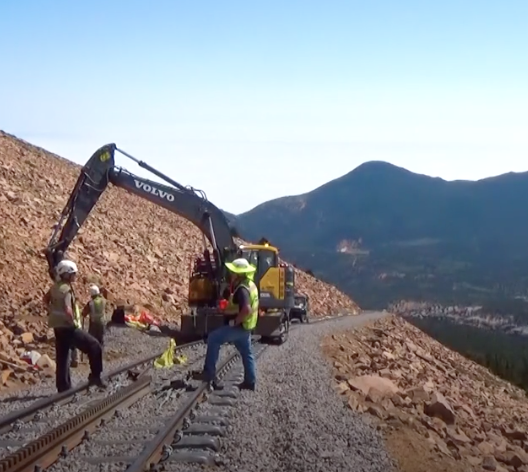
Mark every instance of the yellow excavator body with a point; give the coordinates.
(273, 279)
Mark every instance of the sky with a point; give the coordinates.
(251, 101)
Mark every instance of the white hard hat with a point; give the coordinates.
(66, 267)
(94, 290)
(240, 266)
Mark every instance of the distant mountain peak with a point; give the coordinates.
(378, 166)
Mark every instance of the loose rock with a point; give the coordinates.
(463, 411)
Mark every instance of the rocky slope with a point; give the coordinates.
(454, 414)
(139, 252)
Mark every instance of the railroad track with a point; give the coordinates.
(149, 420)
(25, 424)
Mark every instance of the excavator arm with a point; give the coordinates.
(188, 203)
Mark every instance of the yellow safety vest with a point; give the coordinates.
(251, 320)
(97, 309)
(57, 317)
(77, 316)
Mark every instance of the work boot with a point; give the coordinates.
(246, 386)
(97, 381)
(216, 385)
(203, 377)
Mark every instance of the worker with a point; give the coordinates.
(61, 303)
(245, 299)
(96, 309)
(74, 361)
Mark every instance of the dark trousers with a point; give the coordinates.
(74, 355)
(65, 340)
(97, 330)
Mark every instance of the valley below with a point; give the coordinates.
(494, 336)
(474, 316)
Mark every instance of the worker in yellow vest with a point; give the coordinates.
(96, 310)
(74, 358)
(61, 303)
(244, 303)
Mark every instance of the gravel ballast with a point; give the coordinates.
(295, 421)
(128, 344)
(126, 433)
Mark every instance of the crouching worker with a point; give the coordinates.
(61, 303)
(245, 300)
(96, 309)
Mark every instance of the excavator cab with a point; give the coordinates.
(274, 280)
(276, 284)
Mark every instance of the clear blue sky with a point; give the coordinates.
(285, 95)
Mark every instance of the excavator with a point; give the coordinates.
(208, 281)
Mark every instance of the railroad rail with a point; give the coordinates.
(39, 407)
(192, 434)
(174, 436)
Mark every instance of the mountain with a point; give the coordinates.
(383, 233)
(140, 252)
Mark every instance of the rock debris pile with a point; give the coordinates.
(406, 380)
(19, 361)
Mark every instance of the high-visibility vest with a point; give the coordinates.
(77, 316)
(57, 316)
(97, 309)
(251, 320)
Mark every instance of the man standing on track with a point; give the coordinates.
(74, 355)
(96, 309)
(244, 301)
(61, 303)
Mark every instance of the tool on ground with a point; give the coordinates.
(168, 358)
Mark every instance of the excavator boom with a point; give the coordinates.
(207, 281)
(100, 170)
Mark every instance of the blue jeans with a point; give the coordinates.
(242, 341)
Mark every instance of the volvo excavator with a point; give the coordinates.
(208, 283)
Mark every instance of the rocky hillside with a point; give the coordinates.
(139, 252)
(439, 410)
(385, 233)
